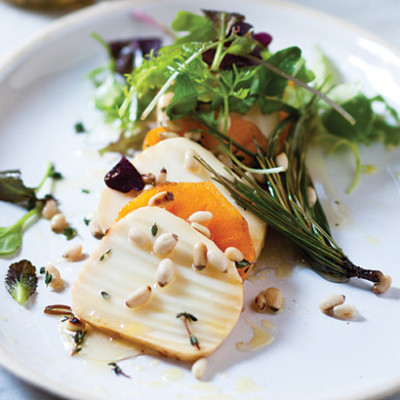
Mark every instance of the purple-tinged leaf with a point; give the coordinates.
(129, 54)
(263, 38)
(124, 177)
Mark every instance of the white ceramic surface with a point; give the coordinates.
(43, 92)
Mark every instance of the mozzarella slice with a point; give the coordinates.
(170, 154)
(119, 267)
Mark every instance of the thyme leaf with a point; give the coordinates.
(154, 229)
(79, 338)
(69, 233)
(117, 370)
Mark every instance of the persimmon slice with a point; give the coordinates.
(240, 130)
(227, 227)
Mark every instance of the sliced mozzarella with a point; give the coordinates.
(120, 267)
(172, 154)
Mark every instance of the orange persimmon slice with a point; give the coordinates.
(240, 131)
(227, 227)
(153, 137)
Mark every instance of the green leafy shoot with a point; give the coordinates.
(21, 281)
(13, 190)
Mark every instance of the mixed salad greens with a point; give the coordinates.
(219, 66)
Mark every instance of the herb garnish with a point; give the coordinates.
(187, 317)
(117, 370)
(154, 229)
(79, 127)
(48, 278)
(244, 264)
(105, 295)
(69, 232)
(85, 191)
(79, 338)
(13, 190)
(104, 254)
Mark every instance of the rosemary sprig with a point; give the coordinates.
(283, 201)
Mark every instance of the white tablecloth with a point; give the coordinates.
(16, 25)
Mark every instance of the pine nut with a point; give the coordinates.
(161, 177)
(95, 229)
(190, 163)
(56, 281)
(75, 324)
(234, 254)
(250, 176)
(202, 229)
(199, 368)
(330, 301)
(50, 209)
(58, 222)
(138, 297)
(200, 217)
(165, 272)
(165, 100)
(312, 196)
(199, 256)
(383, 285)
(217, 260)
(344, 311)
(172, 127)
(168, 134)
(162, 199)
(225, 159)
(222, 124)
(193, 135)
(165, 243)
(260, 302)
(74, 253)
(138, 237)
(282, 161)
(149, 178)
(260, 178)
(274, 299)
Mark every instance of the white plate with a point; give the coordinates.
(43, 92)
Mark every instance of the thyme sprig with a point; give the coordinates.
(188, 317)
(283, 201)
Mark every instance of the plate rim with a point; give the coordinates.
(58, 27)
